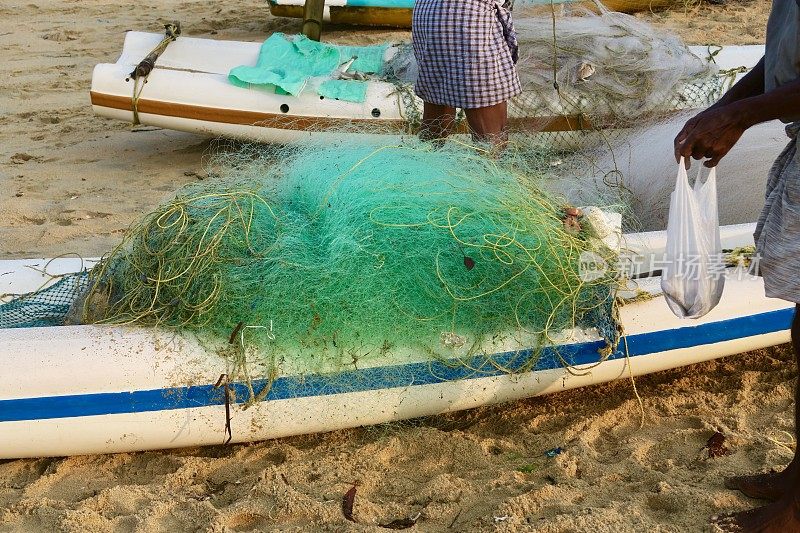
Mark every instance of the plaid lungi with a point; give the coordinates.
(466, 51)
(777, 232)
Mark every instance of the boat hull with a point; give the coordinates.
(189, 91)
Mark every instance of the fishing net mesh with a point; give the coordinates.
(608, 93)
(331, 254)
(49, 306)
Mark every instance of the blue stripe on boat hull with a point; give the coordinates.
(388, 377)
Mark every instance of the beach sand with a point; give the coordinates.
(72, 182)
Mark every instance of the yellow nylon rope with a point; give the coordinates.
(145, 67)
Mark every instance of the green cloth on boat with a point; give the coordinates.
(348, 90)
(368, 59)
(289, 62)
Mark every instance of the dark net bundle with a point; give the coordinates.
(331, 254)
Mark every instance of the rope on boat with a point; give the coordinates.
(146, 66)
(224, 381)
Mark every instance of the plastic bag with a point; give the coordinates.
(693, 276)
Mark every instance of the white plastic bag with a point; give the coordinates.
(693, 276)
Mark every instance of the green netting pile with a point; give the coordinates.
(341, 251)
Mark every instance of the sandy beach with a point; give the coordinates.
(73, 182)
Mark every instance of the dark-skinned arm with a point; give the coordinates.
(751, 84)
(713, 132)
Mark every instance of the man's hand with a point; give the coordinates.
(711, 134)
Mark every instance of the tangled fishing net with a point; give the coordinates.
(333, 254)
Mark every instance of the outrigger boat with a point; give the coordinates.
(393, 13)
(189, 90)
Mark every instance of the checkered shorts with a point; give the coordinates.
(466, 51)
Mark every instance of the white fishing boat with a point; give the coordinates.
(189, 90)
(101, 389)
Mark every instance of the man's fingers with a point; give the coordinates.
(685, 152)
(680, 139)
(686, 148)
(699, 151)
(708, 137)
(722, 147)
(681, 136)
(713, 159)
(691, 148)
(716, 156)
(688, 127)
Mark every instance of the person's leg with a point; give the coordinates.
(783, 515)
(773, 485)
(489, 124)
(437, 121)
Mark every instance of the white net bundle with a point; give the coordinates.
(608, 66)
(598, 69)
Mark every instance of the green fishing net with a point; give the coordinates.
(339, 252)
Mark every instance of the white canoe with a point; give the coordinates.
(189, 91)
(91, 389)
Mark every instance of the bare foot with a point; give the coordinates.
(769, 486)
(782, 516)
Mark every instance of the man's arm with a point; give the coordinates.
(751, 84)
(783, 102)
(713, 132)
